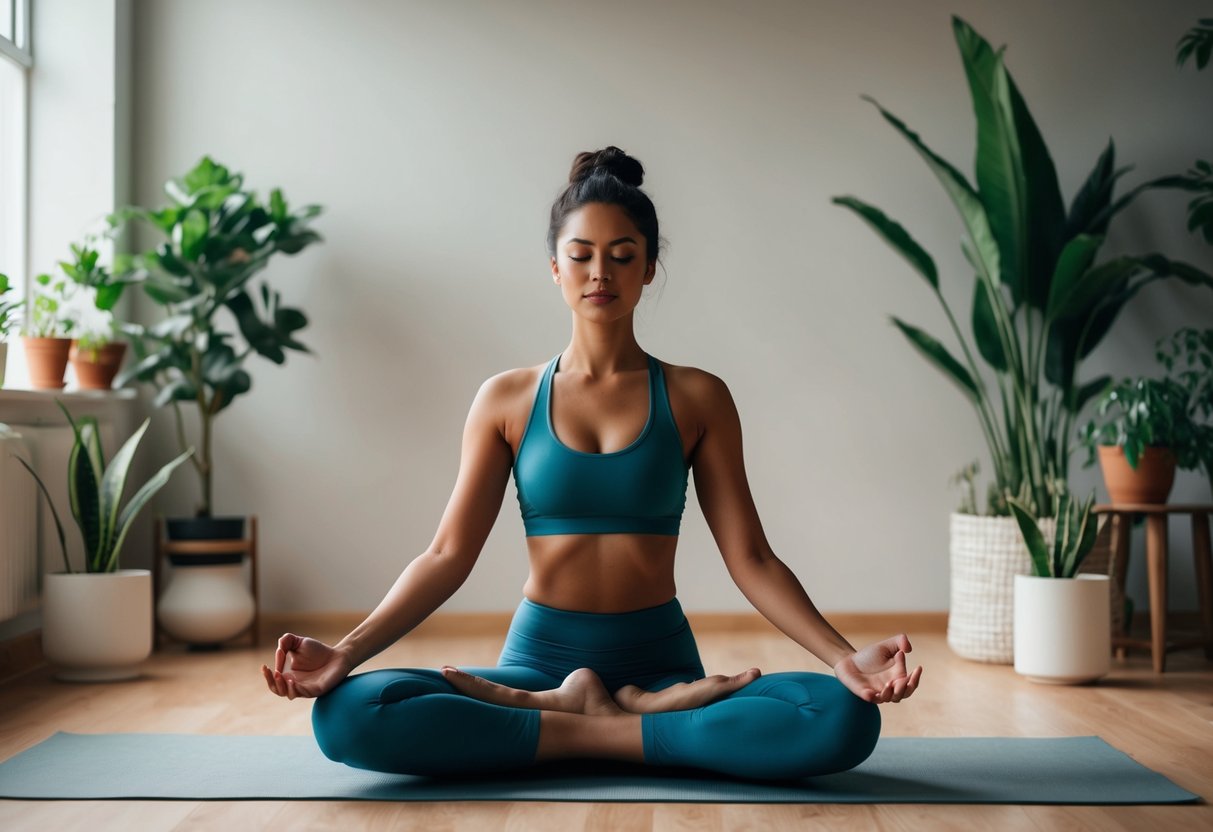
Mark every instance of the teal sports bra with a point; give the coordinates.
(639, 489)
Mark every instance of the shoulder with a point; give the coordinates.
(505, 398)
(695, 385)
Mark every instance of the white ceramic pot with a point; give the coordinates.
(206, 604)
(97, 627)
(1063, 633)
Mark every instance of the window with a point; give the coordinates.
(15, 62)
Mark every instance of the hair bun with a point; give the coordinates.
(610, 160)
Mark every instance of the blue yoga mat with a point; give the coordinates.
(1083, 770)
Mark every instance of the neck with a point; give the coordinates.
(603, 350)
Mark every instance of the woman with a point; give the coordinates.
(599, 660)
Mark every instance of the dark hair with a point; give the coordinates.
(613, 177)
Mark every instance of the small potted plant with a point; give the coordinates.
(97, 624)
(1063, 630)
(8, 309)
(1146, 428)
(46, 331)
(97, 353)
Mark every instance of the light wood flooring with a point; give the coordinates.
(1165, 722)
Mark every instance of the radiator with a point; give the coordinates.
(29, 544)
(20, 575)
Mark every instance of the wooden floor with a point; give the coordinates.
(1165, 722)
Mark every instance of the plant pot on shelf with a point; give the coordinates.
(1063, 633)
(96, 367)
(97, 626)
(207, 600)
(1149, 482)
(47, 360)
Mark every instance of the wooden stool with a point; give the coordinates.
(1156, 561)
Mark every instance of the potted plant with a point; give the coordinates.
(1041, 304)
(97, 353)
(1145, 428)
(1063, 632)
(45, 336)
(8, 309)
(218, 236)
(97, 624)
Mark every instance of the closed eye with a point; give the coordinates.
(616, 259)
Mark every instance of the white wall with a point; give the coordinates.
(437, 134)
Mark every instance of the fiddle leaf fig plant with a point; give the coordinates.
(1041, 300)
(217, 236)
(95, 491)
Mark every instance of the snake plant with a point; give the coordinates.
(95, 493)
(1041, 302)
(1073, 538)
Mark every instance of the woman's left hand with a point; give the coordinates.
(877, 673)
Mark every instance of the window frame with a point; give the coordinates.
(18, 51)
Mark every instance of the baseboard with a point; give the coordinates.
(20, 654)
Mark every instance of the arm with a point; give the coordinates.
(877, 673)
(431, 577)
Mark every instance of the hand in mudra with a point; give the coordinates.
(315, 667)
(877, 673)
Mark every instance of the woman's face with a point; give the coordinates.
(600, 250)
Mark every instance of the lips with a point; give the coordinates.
(600, 295)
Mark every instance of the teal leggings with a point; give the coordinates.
(781, 725)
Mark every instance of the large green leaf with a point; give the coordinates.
(1079, 396)
(895, 236)
(1095, 195)
(1073, 264)
(1032, 537)
(139, 500)
(113, 483)
(84, 497)
(937, 354)
(967, 203)
(1001, 180)
(985, 328)
(193, 233)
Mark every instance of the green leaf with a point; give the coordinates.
(67, 566)
(938, 355)
(1073, 264)
(140, 499)
(985, 329)
(277, 206)
(1081, 395)
(1033, 539)
(971, 211)
(113, 483)
(895, 236)
(108, 295)
(193, 235)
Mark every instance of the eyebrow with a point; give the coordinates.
(611, 243)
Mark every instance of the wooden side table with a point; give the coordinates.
(1121, 515)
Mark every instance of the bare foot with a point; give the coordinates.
(684, 695)
(582, 692)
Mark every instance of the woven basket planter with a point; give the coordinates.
(986, 554)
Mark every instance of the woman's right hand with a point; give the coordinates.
(315, 667)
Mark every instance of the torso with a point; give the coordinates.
(599, 572)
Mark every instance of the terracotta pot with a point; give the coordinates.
(47, 359)
(96, 368)
(1150, 482)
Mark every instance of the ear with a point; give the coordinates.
(555, 271)
(650, 272)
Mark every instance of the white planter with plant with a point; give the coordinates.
(97, 625)
(1063, 632)
(1040, 304)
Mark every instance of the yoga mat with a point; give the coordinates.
(1082, 770)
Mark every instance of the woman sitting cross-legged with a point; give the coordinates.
(599, 661)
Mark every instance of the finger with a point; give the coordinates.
(291, 693)
(912, 685)
(269, 678)
(899, 688)
(280, 683)
(903, 641)
(280, 657)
